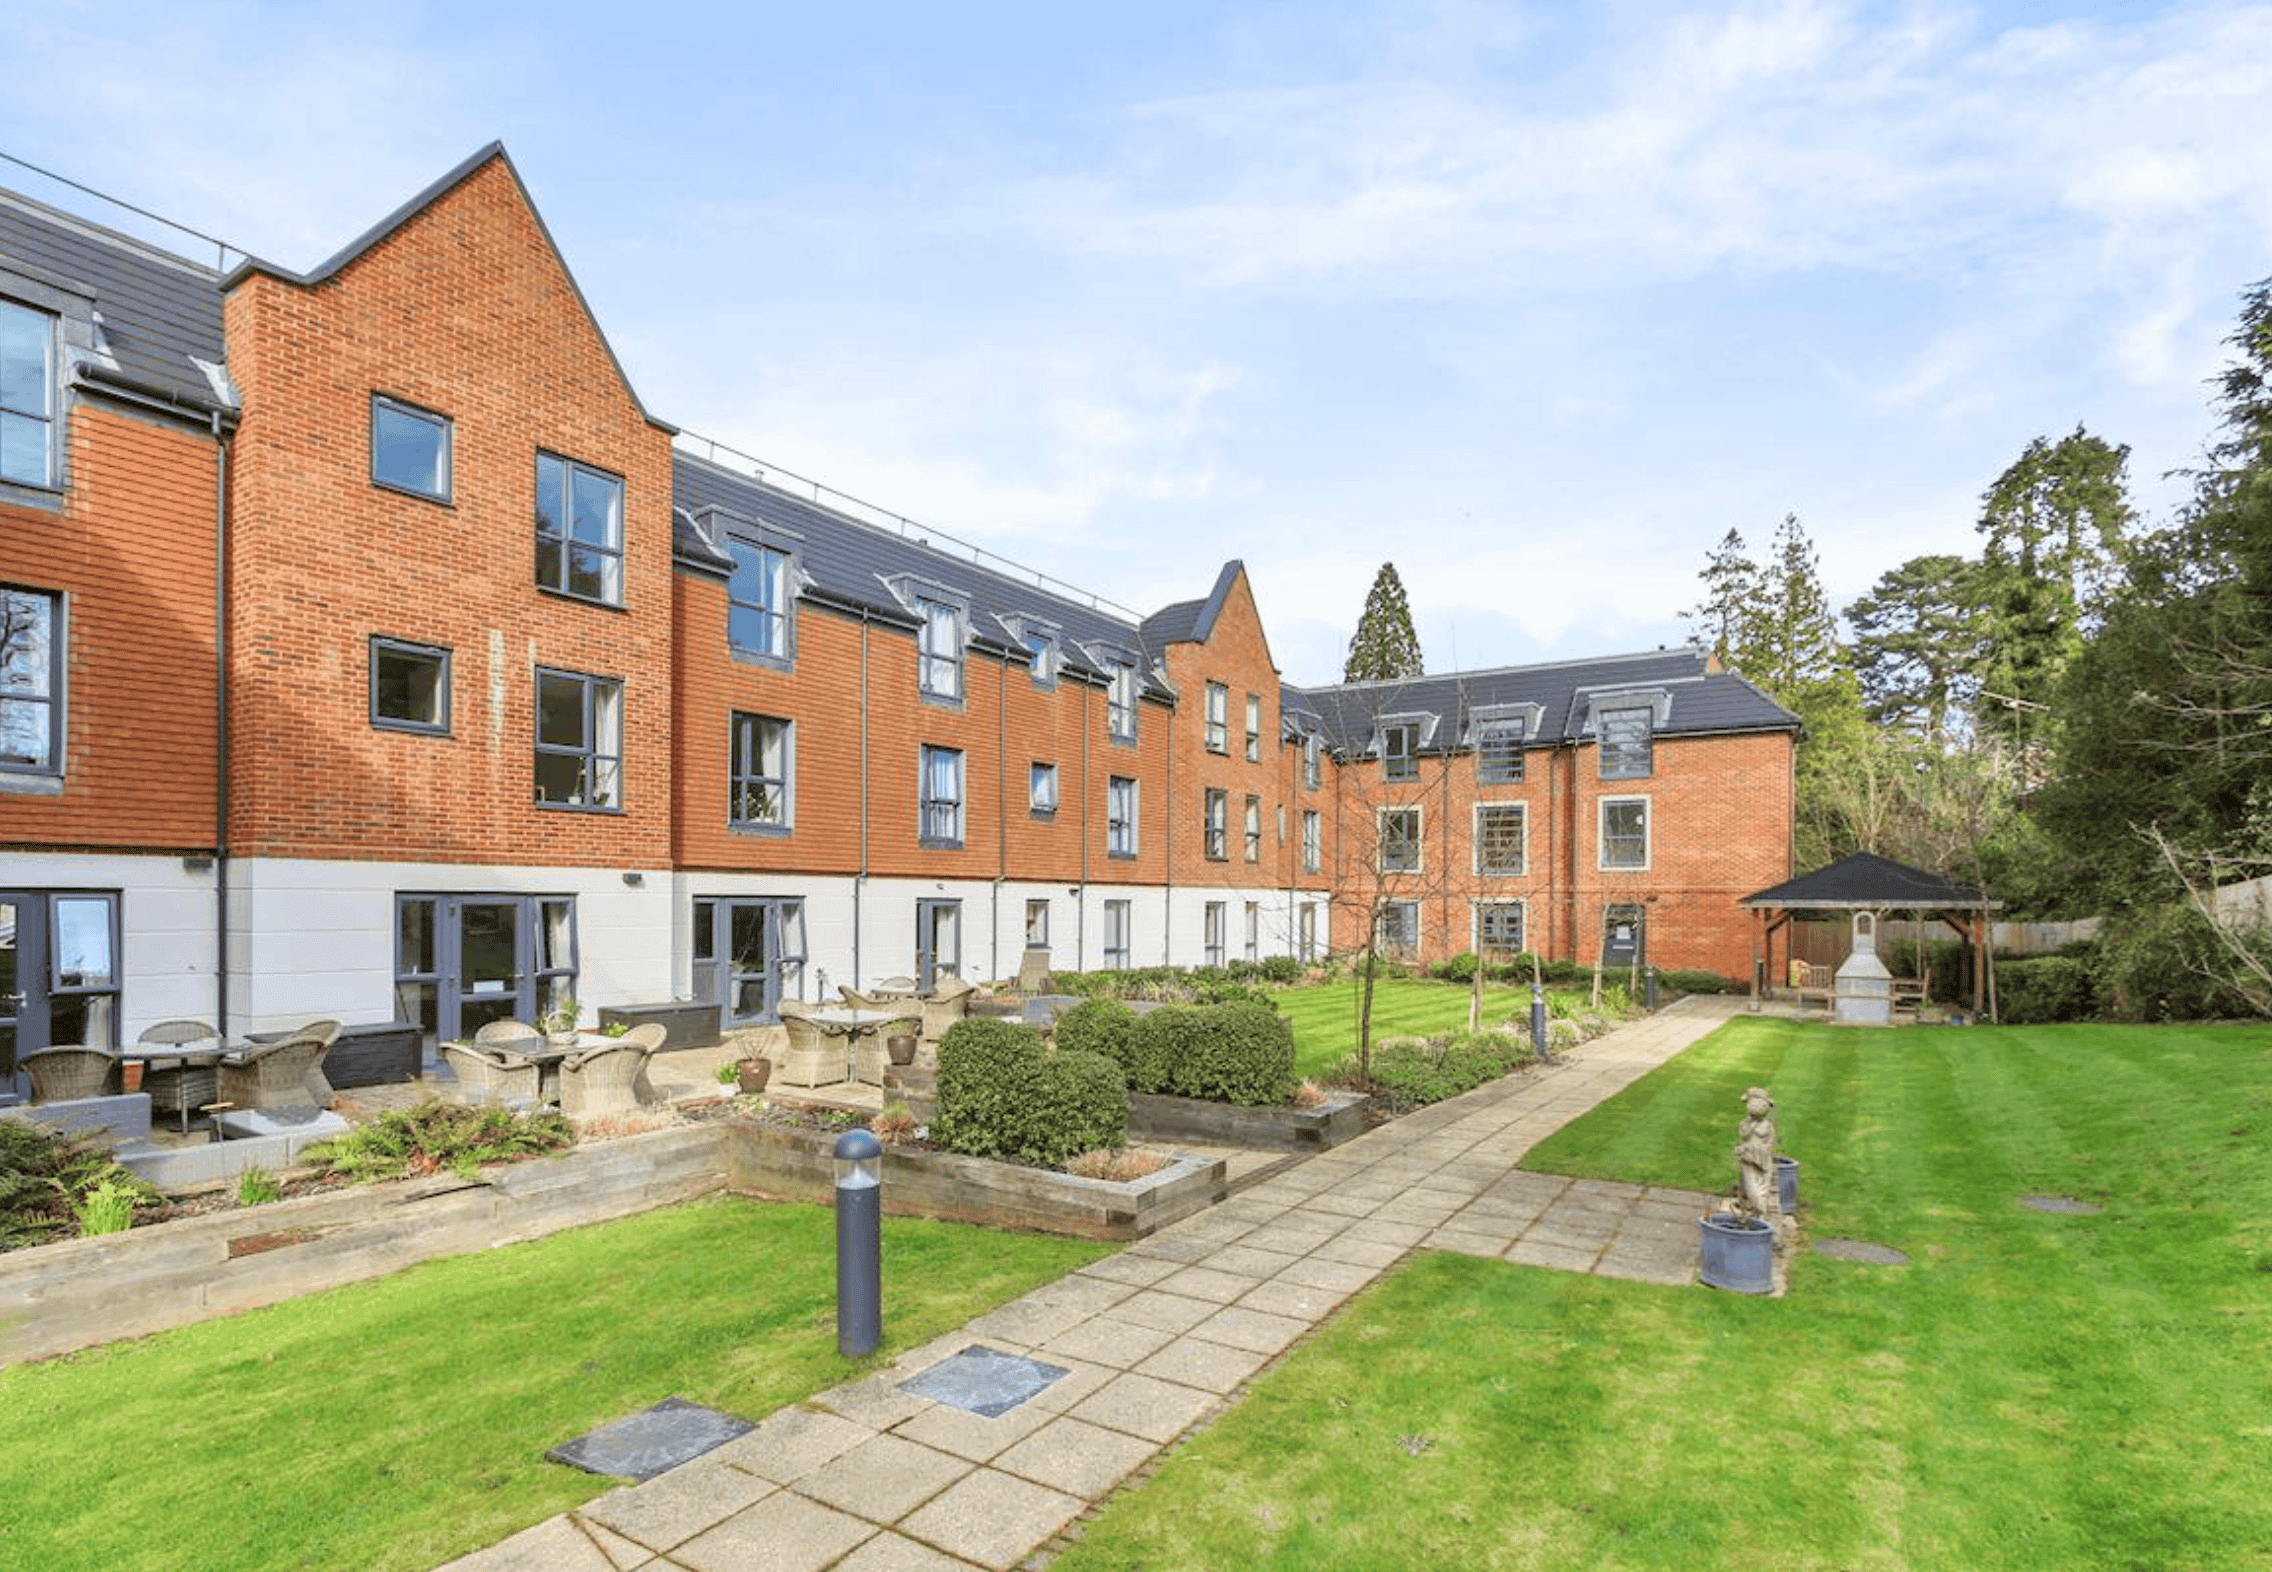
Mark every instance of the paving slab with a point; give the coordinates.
(1145, 1406)
(992, 1518)
(782, 1533)
(674, 1507)
(883, 1478)
(1077, 1457)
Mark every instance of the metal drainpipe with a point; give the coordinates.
(860, 880)
(1081, 895)
(220, 728)
(1001, 808)
(1167, 888)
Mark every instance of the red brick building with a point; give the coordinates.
(376, 654)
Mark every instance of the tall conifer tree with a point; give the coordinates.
(1385, 648)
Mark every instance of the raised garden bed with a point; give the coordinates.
(1341, 1117)
(790, 1164)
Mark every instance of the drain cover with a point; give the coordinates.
(2059, 1203)
(983, 1381)
(1860, 1250)
(674, 1431)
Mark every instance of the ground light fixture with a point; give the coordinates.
(859, 1243)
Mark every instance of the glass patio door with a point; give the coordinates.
(58, 974)
(462, 961)
(23, 998)
(493, 982)
(938, 941)
(748, 955)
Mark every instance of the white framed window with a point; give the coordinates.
(763, 775)
(1253, 829)
(1626, 750)
(1117, 926)
(1625, 833)
(939, 818)
(939, 649)
(1501, 839)
(1254, 728)
(410, 687)
(760, 600)
(579, 741)
(1399, 840)
(1218, 718)
(1313, 840)
(32, 663)
(27, 396)
(1041, 789)
(1218, 827)
(1041, 657)
(1120, 802)
(410, 449)
(1254, 930)
(1217, 914)
(579, 530)
(1120, 701)
(1498, 928)
(1396, 931)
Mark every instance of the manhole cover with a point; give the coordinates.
(983, 1381)
(2059, 1203)
(1860, 1250)
(674, 1431)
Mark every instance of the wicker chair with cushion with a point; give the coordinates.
(602, 1080)
(60, 1074)
(278, 1074)
(943, 1006)
(487, 1075)
(182, 1086)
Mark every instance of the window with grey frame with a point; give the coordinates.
(1498, 927)
(1041, 790)
(1218, 718)
(579, 741)
(27, 396)
(579, 530)
(940, 806)
(1253, 829)
(1396, 931)
(762, 766)
(1120, 800)
(32, 645)
(1217, 919)
(939, 650)
(749, 955)
(1313, 762)
(1626, 748)
(410, 449)
(1037, 924)
(1499, 835)
(1400, 840)
(1254, 728)
(410, 686)
(1117, 926)
(760, 600)
(1041, 657)
(1498, 751)
(1218, 827)
(1400, 748)
(1120, 701)
(1624, 832)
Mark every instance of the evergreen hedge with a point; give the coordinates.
(1002, 1094)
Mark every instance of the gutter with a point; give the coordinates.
(221, 728)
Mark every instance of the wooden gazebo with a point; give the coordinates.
(1866, 882)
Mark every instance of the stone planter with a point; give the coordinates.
(1739, 1254)
(1787, 1185)
(1339, 1118)
(794, 1165)
(901, 1049)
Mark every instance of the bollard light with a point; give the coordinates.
(1652, 985)
(859, 1243)
(1538, 1024)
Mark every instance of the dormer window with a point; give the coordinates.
(1120, 701)
(1400, 748)
(760, 599)
(1041, 658)
(939, 649)
(1626, 752)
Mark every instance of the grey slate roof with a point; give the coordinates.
(852, 565)
(1866, 880)
(158, 316)
(1190, 621)
(1695, 701)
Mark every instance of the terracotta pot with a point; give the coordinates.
(130, 1074)
(754, 1073)
(901, 1049)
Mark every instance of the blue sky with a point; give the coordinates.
(1536, 301)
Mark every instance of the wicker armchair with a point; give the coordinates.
(506, 1034)
(814, 1057)
(648, 1039)
(492, 1075)
(182, 1086)
(943, 1006)
(602, 1080)
(280, 1074)
(60, 1074)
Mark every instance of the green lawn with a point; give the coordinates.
(402, 1422)
(1325, 1017)
(2032, 1391)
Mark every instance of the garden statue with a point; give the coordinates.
(1756, 1192)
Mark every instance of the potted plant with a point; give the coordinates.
(751, 1073)
(901, 1046)
(559, 1023)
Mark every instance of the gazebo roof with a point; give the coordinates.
(1864, 881)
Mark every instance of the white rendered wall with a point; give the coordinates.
(166, 923)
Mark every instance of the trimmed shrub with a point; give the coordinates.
(2036, 989)
(1002, 1095)
(1694, 980)
(1281, 969)
(1246, 1056)
(1459, 968)
(1103, 1026)
(1227, 989)
(1413, 1073)
(1162, 1042)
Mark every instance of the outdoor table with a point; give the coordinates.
(548, 1056)
(197, 1068)
(852, 1025)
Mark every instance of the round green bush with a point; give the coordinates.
(2043, 988)
(1001, 1094)
(1103, 1026)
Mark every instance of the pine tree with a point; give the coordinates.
(1385, 648)
(1731, 590)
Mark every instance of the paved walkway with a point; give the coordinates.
(866, 1478)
